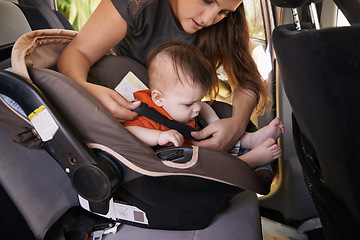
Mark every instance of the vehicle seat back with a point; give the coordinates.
(320, 73)
(13, 23)
(17, 19)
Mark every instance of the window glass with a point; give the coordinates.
(341, 20)
(76, 11)
(255, 18)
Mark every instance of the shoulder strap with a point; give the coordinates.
(46, 10)
(154, 115)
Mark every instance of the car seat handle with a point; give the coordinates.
(175, 154)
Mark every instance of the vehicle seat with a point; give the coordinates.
(13, 23)
(320, 72)
(17, 19)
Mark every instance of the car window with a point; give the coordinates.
(341, 19)
(77, 12)
(255, 18)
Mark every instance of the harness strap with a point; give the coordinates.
(182, 128)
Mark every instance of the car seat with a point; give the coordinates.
(97, 178)
(45, 183)
(320, 72)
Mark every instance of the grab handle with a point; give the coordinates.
(175, 154)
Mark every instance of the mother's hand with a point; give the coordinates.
(224, 134)
(118, 106)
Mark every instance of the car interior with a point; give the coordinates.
(68, 170)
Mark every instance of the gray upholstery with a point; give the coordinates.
(36, 184)
(42, 192)
(239, 221)
(13, 23)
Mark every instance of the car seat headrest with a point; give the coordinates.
(40, 49)
(293, 3)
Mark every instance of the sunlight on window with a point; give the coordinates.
(263, 61)
(341, 20)
(255, 18)
(77, 12)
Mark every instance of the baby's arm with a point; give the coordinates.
(208, 113)
(153, 137)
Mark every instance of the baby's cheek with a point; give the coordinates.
(180, 117)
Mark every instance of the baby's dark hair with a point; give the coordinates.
(188, 59)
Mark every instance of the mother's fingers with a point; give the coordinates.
(222, 132)
(121, 108)
(204, 133)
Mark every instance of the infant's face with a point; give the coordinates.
(183, 101)
(180, 99)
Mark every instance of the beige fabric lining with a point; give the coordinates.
(40, 49)
(189, 164)
(143, 171)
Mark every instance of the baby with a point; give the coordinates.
(179, 78)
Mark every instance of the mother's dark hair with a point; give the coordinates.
(227, 44)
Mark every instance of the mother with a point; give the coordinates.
(134, 27)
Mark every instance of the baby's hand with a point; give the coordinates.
(171, 136)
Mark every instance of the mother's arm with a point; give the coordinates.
(226, 132)
(103, 30)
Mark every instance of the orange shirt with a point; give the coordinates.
(141, 121)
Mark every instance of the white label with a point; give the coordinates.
(119, 211)
(130, 213)
(128, 85)
(44, 124)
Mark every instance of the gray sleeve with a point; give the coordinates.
(132, 12)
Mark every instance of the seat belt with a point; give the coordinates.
(46, 10)
(77, 223)
(182, 128)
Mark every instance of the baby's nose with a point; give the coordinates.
(196, 109)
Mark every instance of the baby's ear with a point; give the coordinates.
(157, 97)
